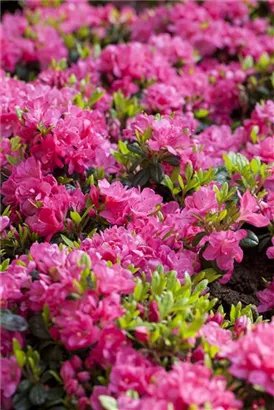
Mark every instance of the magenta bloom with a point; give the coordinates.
(224, 248)
(202, 202)
(249, 207)
(10, 376)
(215, 335)
(266, 298)
(270, 251)
(4, 222)
(78, 329)
(193, 384)
(252, 357)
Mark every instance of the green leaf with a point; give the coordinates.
(172, 160)
(211, 275)
(18, 352)
(38, 327)
(232, 313)
(138, 290)
(75, 217)
(38, 395)
(247, 63)
(12, 322)
(95, 97)
(67, 241)
(201, 287)
(168, 183)
(264, 61)
(21, 401)
(166, 304)
(135, 148)
(250, 241)
(108, 402)
(156, 172)
(141, 178)
(188, 172)
(123, 147)
(201, 113)
(254, 134)
(24, 386)
(11, 160)
(198, 238)
(55, 393)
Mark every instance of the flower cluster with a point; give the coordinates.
(137, 193)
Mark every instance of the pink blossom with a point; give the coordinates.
(6, 347)
(216, 336)
(47, 256)
(131, 372)
(4, 222)
(202, 202)
(46, 50)
(162, 98)
(166, 134)
(111, 341)
(72, 377)
(77, 327)
(49, 219)
(9, 289)
(142, 334)
(113, 279)
(270, 250)
(224, 247)
(121, 203)
(153, 314)
(10, 376)
(248, 209)
(252, 357)
(200, 387)
(266, 298)
(242, 325)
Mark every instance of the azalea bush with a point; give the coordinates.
(137, 192)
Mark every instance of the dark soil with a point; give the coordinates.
(248, 278)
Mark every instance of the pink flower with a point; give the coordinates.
(252, 357)
(166, 134)
(47, 256)
(47, 50)
(10, 376)
(248, 209)
(217, 318)
(121, 203)
(113, 279)
(73, 376)
(216, 336)
(111, 341)
(131, 372)
(270, 250)
(9, 289)
(266, 297)
(224, 247)
(199, 387)
(6, 347)
(77, 328)
(202, 202)
(153, 311)
(163, 98)
(4, 222)
(49, 219)
(242, 325)
(141, 334)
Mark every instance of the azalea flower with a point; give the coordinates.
(252, 357)
(248, 211)
(224, 248)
